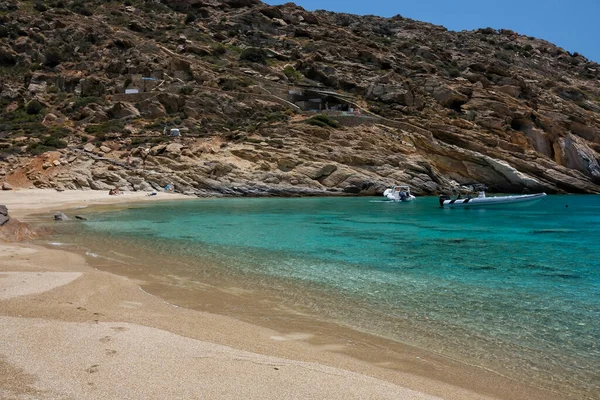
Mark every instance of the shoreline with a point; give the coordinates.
(105, 299)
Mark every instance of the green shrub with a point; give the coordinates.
(39, 6)
(254, 54)
(48, 143)
(53, 56)
(21, 120)
(323, 121)
(187, 90)
(453, 72)
(100, 130)
(58, 131)
(219, 50)
(84, 101)
(276, 116)
(488, 31)
(291, 73)
(189, 18)
(80, 7)
(138, 140)
(34, 107)
(37, 149)
(53, 141)
(235, 83)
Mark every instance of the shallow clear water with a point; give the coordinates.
(516, 290)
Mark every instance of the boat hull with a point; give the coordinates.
(404, 200)
(526, 199)
(400, 196)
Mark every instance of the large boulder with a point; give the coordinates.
(171, 102)
(391, 93)
(89, 147)
(444, 95)
(174, 148)
(152, 109)
(3, 215)
(59, 216)
(123, 110)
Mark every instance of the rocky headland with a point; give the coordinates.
(90, 90)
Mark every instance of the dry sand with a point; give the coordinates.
(69, 331)
(28, 201)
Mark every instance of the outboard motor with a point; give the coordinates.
(443, 198)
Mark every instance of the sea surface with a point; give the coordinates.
(514, 290)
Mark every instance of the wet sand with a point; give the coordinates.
(69, 330)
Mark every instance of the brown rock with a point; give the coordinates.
(152, 109)
(174, 148)
(92, 87)
(123, 110)
(287, 163)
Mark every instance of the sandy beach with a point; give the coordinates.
(70, 331)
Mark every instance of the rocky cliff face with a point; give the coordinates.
(437, 108)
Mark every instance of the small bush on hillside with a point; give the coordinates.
(48, 143)
(106, 127)
(39, 6)
(34, 107)
(187, 90)
(323, 121)
(53, 56)
(235, 83)
(218, 50)
(276, 116)
(254, 54)
(84, 101)
(488, 31)
(291, 73)
(453, 72)
(189, 18)
(80, 7)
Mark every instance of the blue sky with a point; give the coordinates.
(572, 25)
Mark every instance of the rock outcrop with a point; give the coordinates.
(4, 218)
(430, 108)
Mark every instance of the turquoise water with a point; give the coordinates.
(516, 290)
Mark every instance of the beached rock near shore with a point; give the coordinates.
(13, 230)
(3, 215)
(59, 216)
(430, 108)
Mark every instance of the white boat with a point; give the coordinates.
(481, 200)
(399, 193)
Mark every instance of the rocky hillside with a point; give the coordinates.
(401, 101)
